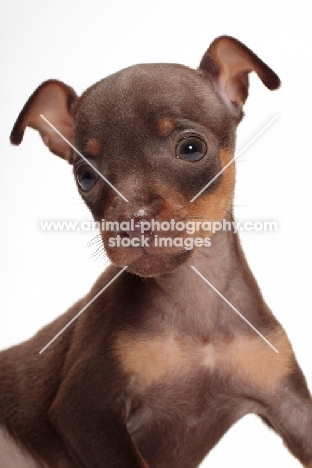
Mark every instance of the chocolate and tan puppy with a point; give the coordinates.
(158, 367)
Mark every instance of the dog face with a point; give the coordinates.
(158, 133)
(163, 134)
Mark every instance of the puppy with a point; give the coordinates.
(153, 366)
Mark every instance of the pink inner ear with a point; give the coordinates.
(55, 143)
(236, 88)
(232, 58)
(53, 99)
(52, 104)
(233, 78)
(229, 62)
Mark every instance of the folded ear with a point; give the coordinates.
(54, 100)
(229, 62)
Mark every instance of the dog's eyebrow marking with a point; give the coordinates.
(166, 125)
(93, 147)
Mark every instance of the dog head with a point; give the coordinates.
(147, 140)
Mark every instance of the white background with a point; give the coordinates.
(80, 42)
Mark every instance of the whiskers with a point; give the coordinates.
(99, 255)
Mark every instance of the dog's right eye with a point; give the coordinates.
(191, 149)
(86, 178)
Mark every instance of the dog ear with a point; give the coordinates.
(229, 62)
(54, 100)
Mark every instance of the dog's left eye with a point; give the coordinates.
(191, 149)
(86, 178)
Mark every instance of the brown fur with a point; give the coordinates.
(158, 367)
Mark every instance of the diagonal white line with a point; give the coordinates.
(83, 309)
(235, 310)
(83, 157)
(232, 160)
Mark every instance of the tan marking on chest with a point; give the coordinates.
(254, 360)
(151, 359)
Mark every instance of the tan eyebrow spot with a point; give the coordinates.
(166, 125)
(93, 147)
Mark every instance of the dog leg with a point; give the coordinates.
(75, 414)
(289, 413)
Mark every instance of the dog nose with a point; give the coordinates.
(135, 226)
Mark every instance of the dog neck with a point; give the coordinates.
(195, 305)
(215, 263)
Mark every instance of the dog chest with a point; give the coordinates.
(178, 402)
(185, 395)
